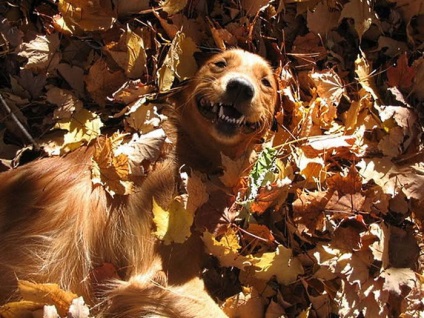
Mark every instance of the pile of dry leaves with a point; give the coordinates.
(329, 221)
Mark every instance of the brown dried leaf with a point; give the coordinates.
(42, 53)
(308, 211)
(143, 149)
(361, 12)
(409, 9)
(93, 15)
(329, 86)
(179, 62)
(129, 53)
(308, 49)
(173, 6)
(322, 20)
(364, 71)
(110, 170)
(74, 76)
(401, 75)
(247, 303)
(143, 117)
(101, 83)
(67, 103)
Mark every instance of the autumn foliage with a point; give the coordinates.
(329, 220)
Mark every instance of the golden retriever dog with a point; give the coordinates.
(56, 227)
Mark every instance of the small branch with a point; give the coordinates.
(18, 123)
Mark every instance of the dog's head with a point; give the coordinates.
(233, 96)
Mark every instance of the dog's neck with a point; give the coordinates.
(206, 157)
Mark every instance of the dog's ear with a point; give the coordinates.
(278, 107)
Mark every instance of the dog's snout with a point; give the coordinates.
(240, 89)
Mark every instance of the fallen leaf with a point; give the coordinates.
(82, 127)
(74, 76)
(401, 75)
(179, 62)
(42, 53)
(173, 223)
(281, 264)
(329, 86)
(20, 309)
(173, 6)
(47, 294)
(67, 103)
(143, 117)
(94, 15)
(247, 303)
(361, 12)
(322, 19)
(227, 250)
(129, 53)
(111, 170)
(101, 82)
(142, 149)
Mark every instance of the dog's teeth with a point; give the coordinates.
(221, 111)
(215, 108)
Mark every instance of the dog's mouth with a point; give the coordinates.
(226, 118)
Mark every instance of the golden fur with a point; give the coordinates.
(55, 226)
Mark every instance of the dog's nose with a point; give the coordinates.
(240, 89)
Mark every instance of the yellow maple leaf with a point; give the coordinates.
(281, 264)
(173, 224)
(83, 127)
(227, 250)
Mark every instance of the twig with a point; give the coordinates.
(18, 123)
